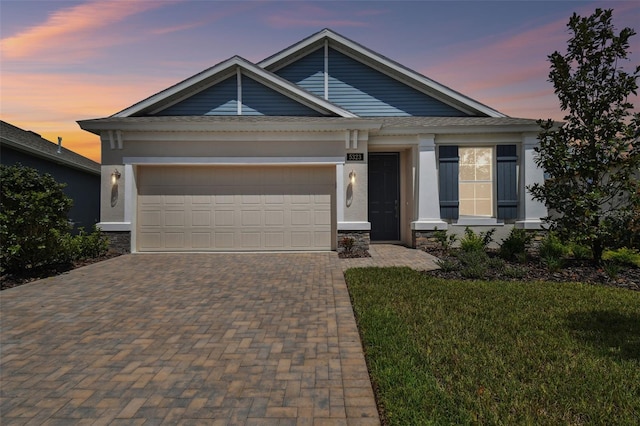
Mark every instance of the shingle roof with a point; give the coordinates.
(384, 123)
(34, 144)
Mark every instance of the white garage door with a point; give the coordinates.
(205, 208)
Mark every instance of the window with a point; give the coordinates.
(479, 181)
(475, 177)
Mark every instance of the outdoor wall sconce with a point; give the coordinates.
(352, 177)
(115, 176)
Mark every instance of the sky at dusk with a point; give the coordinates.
(63, 61)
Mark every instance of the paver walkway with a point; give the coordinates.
(247, 339)
(392, 255)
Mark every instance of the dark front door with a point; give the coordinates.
(384, 196)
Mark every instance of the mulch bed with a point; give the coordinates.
(353, 254)
(572, 271)
(15, 280)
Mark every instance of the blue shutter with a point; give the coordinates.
(448, 176)
(507, 181)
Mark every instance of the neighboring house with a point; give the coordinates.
(80, 175)
(324, 139)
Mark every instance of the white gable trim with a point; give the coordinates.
(271, 79)
(379, 62)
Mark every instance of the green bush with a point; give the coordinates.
(622, 256)
(82, 246)
(33, 216)
(515, 245)
(553, 252)
(476, 242)
(34, 229)
(447, 265)
(474, 263)
(580, 252)
(446, 240)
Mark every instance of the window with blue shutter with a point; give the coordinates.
(507, 181)
(448, 177)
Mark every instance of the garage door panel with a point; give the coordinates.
(235, 208)
(174, 240)
(174, 218)
(322, 218)
(201, 240)
(224, 218)
(274, 240)
(224, 240)
(274, 218)
(201, 218)
(300, 218)
(150, 240)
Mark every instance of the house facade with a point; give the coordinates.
(324, 140)
(80, 175)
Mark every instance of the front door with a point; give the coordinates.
(384, 196)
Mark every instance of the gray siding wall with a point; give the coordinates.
(362, 89)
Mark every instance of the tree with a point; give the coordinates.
(593, 159)
(33, 217)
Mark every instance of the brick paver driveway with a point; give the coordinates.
(185, 339)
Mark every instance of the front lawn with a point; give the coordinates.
(461, 352)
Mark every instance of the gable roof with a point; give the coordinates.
(33, 144)
(223, 70)
(381, 63)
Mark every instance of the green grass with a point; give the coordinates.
(476, 352)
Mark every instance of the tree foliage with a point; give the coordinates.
(593, 159)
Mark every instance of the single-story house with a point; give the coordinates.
(80, 175)
(324, 140)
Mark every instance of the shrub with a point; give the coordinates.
(612, 269)
(474, 263)
(447, 265)
(446, 240)
(83, 246)
(580, 252)
(476, 242)
(622, 256)
(515, 245)
(347, 244)
(552, 252)
(496, 264)
(33, 216)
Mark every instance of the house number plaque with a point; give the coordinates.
(355, 156)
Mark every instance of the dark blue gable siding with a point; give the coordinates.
(361, 89)
(257, 99)
(222, 99)
(370, 93)
(307, 72)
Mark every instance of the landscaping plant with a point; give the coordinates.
(33, 215)
(592, 160)
(34, 227)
